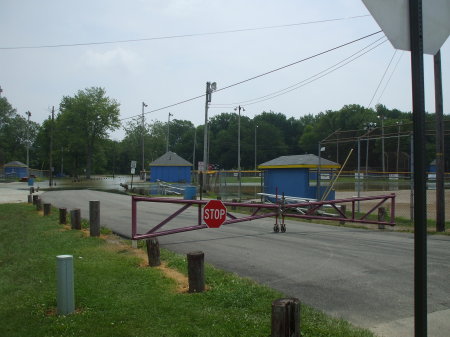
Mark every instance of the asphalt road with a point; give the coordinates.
(363, 276)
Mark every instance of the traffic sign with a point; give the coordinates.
(393, 18)
(214, 213)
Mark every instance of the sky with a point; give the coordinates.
(223, 46)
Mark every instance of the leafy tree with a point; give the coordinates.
(88, 115)
(15, 133)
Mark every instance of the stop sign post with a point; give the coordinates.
(214, 213)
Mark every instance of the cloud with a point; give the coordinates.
(112, 59)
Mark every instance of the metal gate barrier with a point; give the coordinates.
(278, 210)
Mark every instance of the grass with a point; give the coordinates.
(116, 296)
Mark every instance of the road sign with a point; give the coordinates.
(393, 18)
(133, 164)
(214, 213)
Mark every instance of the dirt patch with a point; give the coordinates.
(117, 245)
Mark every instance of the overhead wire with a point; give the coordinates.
(306, 81)
(182, 35)
(260, 75)
(382, 78)
(390, 76)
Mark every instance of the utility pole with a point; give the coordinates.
(239, 108)
(440, 163)
(50, 182)
(1, 90)
(193, 151)
(142, 140)
(256, 128)
(381, 116)
(28, 113)
(399, 124)
(168, 133)
(210, 87)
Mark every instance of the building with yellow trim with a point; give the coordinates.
(296, 175)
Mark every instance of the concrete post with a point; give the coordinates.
(65, 285)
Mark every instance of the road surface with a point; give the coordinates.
(363, 276)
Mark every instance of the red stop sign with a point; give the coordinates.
(214, 213)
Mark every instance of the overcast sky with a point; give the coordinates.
(162, 72)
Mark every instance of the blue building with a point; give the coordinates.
(290, 175)
(170, 167)
(15, 169)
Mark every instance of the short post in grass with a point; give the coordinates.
(62, 216)
(75, 218)
(39, 205)
(35, 199)
(286, 317)
(47, 209)
(153, 252)
(196, 272)
(65, 286)
(94, 217)
(343, 210)
(30, 198)
(381, 216)
(31, 190)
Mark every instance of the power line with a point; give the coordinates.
(306, 81)
(382, 78)
(182, 35)
(263, 74)
(390, 76)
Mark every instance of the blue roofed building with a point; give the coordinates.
(170, 167)
(295, 176)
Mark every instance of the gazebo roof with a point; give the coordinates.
(299, 161)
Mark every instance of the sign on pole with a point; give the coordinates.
(133, 164)
(393, 18)
(214, 213)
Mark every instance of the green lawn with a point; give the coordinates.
(116, 296)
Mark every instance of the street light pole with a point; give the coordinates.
(28, 113)
(239, 108)
(210, 87)
(168, 132)
(142, 140)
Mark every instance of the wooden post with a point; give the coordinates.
(31, 190)
(286, 317)
(343, 210)
(30, 198)
(62, 216)
(39, 204)
(196, 272)
(94, 217)
(35, 199)
(381, 216)
(153, 252)
(75, 218)
(47, 209)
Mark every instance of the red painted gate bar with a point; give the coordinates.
(276, 210)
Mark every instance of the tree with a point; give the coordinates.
(15, 133)
(87, 117)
